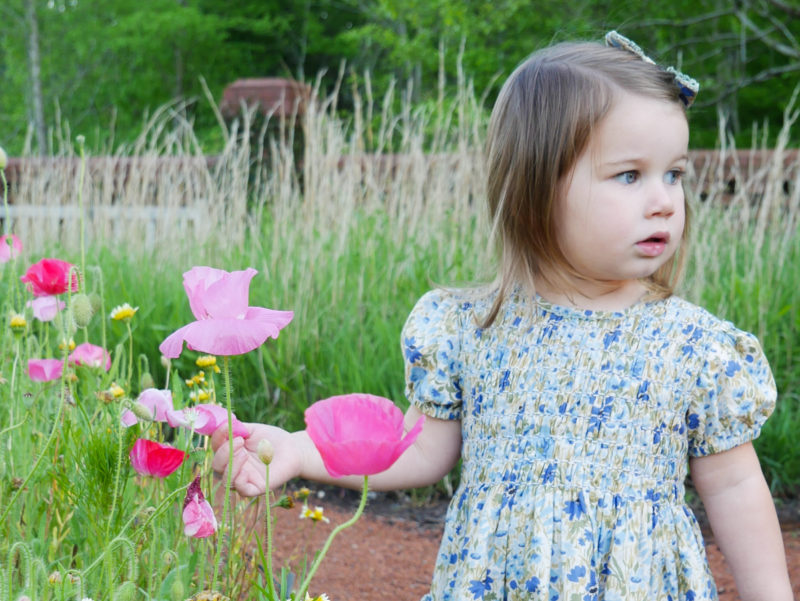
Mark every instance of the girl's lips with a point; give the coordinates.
(654, 245)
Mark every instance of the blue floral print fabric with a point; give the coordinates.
(577, 428)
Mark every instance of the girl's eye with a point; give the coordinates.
(674, 176)
(628, 177)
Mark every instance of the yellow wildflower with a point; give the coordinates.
(18, 323)
(199, 395)
(123, 312)
(206, 361)
(302, 494)
(64, 344)
(116, 390)
(315, 515)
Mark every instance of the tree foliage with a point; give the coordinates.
(105, 65)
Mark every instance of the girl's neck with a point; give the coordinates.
(591, 295)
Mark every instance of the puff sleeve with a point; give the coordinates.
(734, 394)
(431, 354)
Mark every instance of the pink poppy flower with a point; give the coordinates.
(91, 356)
(150, 458)
(49, 277)
(225, 324)
(157, 402)
(359, 434)
(45, 370)
(10, 247)
(198, 516)
(205, 419)
(45, 308)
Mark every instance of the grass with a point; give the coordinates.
(378, 207)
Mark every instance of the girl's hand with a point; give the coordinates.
(249, 472)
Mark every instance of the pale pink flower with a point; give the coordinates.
(91, 356)
(45, 308)
(198, 516)
(358, 434)
(10, 247)
(158, 402)
(205, 419)
(45, 370)
(150, 458)
(225, 324)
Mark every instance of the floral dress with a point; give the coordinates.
(577, 427)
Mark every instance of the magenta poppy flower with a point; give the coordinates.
(157, 402)
(358, 434)
(49, 277)
(10, 247)
(205, 419)
(198, 516)
(150, 458)
(91, 356)
(225, 324)
(45, 370)
(45, 308)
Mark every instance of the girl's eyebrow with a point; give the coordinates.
(637, 159)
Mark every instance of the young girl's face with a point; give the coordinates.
(621, 213)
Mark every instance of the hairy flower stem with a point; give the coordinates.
(226, 376)
(130, 356)
(301, 594)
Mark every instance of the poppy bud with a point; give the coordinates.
(265, 451)
(81, 310)
(3, 158)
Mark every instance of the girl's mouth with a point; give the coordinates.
(654, 245)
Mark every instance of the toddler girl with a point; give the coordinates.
(577, 391)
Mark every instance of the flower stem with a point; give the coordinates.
(80, 202)
(226, 374)
(301, 594)
(270, 581)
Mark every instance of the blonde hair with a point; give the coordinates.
(540, 125)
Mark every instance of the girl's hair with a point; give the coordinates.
(540, 125)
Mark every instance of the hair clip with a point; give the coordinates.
(687, 86)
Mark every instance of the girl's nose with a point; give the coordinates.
(662, 199)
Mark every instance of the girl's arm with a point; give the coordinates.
(744, 522)
(433, 454)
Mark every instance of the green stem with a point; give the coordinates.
(270, 582)
(226, 374)
(301, 594)
(130, 358)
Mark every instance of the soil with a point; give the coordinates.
(391, 549)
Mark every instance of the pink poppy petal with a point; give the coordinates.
(226, 337)
(45, 370)
(218, 417)
(10, 247)
(198, 516)
(278, 319)
(195, 282)
(90, 355)
(157, 401)
(358, 433)
(128, 418)
(188, 418)
(150, 458)
(172, 346)
(45, 308)
(228, 297)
